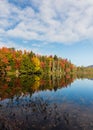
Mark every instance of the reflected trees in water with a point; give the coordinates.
(11, 86)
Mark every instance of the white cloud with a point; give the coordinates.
(63, 21)
(9, 44)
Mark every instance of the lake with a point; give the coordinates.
(46, 103)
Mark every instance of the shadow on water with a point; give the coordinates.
(42, 103)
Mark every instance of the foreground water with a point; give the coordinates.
(53, 103)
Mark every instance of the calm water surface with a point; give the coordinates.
(54, 103)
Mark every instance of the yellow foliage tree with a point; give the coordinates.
(36, 63)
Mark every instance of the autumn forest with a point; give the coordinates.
(17, 61)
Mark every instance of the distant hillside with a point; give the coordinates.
(90, 66)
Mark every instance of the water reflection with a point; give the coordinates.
(46, 103)
(10, 86)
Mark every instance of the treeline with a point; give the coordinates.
(26, 62)
(84, 70)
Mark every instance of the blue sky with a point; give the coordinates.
(49, 27)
